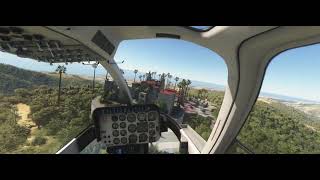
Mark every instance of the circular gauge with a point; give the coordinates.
(151, 125)
(152, 116)
(123, 132)
(123, 125)
(124, 140)
(143, 137)
(152, 132)
(133, 138)
(131, 117)
(122, 117)
(115, 133)
(115, 125)
(114, 118)
(116, 141)
(141, 116)
(132, 128)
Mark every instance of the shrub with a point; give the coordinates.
(38, 140)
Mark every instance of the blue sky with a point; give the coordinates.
(295, 73)
(292, 73)
(179, 58)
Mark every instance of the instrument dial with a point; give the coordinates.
(141, 116)
(152, 116)
(116, 140)
(114, 118)
(123, 132)
(115, 125)
(115, 133)
(124, 140)
(143, 137)
(131, 117)
(123, 125)
(122, 117)
(132, 128)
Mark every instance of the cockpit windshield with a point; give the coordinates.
(45, 104)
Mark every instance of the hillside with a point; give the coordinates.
(31, 121)
(12, 78)
(272, 128)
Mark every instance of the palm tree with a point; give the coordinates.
(95, 65)
(135, 73)
(184, 83)
(188, 82)
(182, 86)
(169, 76)
(140, 77)
(60, 70)
(152, 75)
(176, 79)
(143, 76)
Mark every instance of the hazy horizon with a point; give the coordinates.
(289, 74)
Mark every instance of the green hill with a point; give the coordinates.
(55, 124)
(12, 78)
(271, 128)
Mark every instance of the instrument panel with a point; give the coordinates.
(43, 44)
(124, 125)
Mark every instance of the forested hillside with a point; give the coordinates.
(54, 125)
(272, 128)
(12, 78)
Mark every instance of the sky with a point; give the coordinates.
(292, 73)
(295, 72)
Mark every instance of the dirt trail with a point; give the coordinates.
(310, 127)
(23, 112)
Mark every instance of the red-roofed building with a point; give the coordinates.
(168, 91)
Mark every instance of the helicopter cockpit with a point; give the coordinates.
(126, 126)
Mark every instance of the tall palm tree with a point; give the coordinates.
(188, 82)
(143, 76)
(176, 79)
(135, 73)
(169, 76)
(182, 86)
(179, 98)
(95, 65)
(140, 77)
(60, 70)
